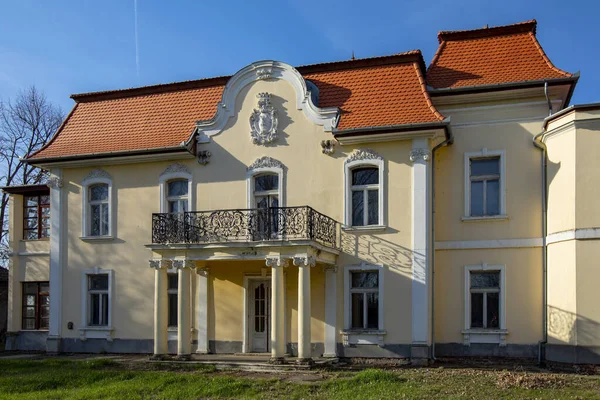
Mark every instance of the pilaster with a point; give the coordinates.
(304, 264)
(330, 312)
(202, 310)
(277, 307)
(55, 183)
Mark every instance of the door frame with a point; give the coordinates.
(246, 299)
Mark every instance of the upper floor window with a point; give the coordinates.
(36, 217)
(365, 196)
(177, 196)
(99, 210)
(266, 191)
(484, 184)
(36, 305)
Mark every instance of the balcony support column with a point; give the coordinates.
(184, 328)
(277, 308)
(202, 312)
(304, 264)
(330, 312)
(160, 306)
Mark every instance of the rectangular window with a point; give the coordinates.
(98, 304)
(36, 305)
(36, 217)
(484, 181)
(485, 299)
(364, 293)
(172, 293)
(365, 196)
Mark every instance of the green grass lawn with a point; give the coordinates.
(108, 379)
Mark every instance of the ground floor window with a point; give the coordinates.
(36, 305)
(485, 299)
(98, 300)
(172, 293)
(364, 297)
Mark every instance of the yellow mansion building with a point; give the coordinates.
(371, 207)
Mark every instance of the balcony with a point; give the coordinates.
(277, 225)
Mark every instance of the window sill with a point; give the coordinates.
(34, 330)
(367, 228)
(44, 239)
(97, 238)
(96, 332)
(362, 337)
(501, 217)
(480, 335)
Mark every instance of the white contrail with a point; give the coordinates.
(137, 44)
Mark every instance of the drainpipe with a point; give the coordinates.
(448, 141)
(537, 142)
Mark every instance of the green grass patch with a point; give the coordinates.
(105, 378)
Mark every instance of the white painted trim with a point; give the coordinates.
(265, 170)
(509, 108)
(356, 337)
(245, 311)
(330, 312)
(347, 304)
(268, 69)
(497, 122)
(165, 177)
(30, 253)
(574, 234)
(467, 183)
(420, 240)
(56, 255)
(348, 167)
(467, 304)
(102, 332)
(569, 126)
(202, 309)
(488, 244)
(85, 214)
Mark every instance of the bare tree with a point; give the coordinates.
(26, 124)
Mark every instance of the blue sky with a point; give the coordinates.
(75, 46)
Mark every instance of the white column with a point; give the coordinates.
(420, 156)
(330, 312)
(304, 264)
(184, 340)
(161, 303)
(55, 183)
(202, 309)
(277, 307)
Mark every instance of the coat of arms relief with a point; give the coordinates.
(263, 121)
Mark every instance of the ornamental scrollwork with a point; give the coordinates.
(417, 154)
(328, 146)
(363, 154)
(176, 167)
(54, 182)
(264, 73)
(263, 121)
(266, 162)
(97, 173)
(305, 261)
(181, 264)
(277, 262)
(203, 157)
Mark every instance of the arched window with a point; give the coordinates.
(365, 196)
(97, 221)
(99, 210)
(177, 196)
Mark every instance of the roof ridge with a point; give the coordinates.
(502, 30)
(546, 58)
(222, 80)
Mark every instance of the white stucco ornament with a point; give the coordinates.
(263, 121)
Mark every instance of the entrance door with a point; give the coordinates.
(259, 317)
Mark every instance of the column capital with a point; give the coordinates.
(420, 154)
(181, 264)
(276, 261)
(162, 263)
(305, 261)
(202, 271)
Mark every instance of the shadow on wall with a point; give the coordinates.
(571, 328)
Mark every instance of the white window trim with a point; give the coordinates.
(362, 336)
(484, 335)
(251, 203)
(86, 214)
(485, 153)
(165, 178)
(348, 167)
(96, 332)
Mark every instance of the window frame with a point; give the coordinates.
(167, 177)
(87, 213)
(254, 172)
(467, 296)
(170, 198)
(348, 270)
(96, 331)
(38, 294)
(348, 168)
(484, 154)
(40, 217)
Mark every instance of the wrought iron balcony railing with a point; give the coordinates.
(268, 224)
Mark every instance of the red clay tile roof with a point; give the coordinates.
(378, 92)
(503, 54)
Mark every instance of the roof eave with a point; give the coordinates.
(374, 131)
(503, 86)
